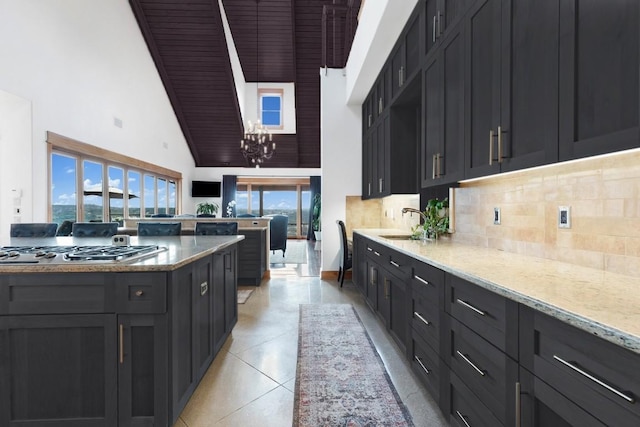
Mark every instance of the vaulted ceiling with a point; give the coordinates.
(276, 41)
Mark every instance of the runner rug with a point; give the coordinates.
(340, 378)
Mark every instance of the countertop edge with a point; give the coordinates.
(599, 329)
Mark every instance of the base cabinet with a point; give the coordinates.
(133, 361)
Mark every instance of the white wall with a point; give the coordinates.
(341, 160)
(15, 152)
(81, 64)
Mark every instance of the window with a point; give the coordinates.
(88, 184)
(267, 196)
(271, 107)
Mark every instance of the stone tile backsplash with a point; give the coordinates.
(603, 194)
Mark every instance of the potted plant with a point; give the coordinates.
(436, 219)
(316, 223)
(208, 209)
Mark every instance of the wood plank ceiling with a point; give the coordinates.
(279, 39)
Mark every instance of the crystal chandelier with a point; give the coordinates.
(257, 144)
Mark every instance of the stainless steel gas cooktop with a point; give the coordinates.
(75, 254)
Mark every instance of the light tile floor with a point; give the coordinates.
(252, 379)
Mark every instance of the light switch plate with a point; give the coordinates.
(564, 217)
(496, 216)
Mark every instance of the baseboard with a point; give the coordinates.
(333, 275)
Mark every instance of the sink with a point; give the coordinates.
(397, 236)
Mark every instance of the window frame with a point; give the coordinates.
(80, 151)
(271, 92)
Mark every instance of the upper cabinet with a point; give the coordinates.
(406, 58)
(598, 77)
(439, 18)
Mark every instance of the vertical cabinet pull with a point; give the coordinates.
(598, 381)
(204, 287)
(380, 184)
(463, 418)
(433, 167)
(121, 343)
(490, 147)
(369, 188)
(433, 38)
(380, 106)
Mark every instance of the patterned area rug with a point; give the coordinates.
(340, 378)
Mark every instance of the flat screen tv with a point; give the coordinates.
(205, 188)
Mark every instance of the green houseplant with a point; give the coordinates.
(206, 208)
(436, 219)
(316, 223)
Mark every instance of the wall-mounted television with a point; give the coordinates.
(205, 188)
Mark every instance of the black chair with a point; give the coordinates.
(346, 252)
(65, 228)
(205, 216)
(246, 215)
(216, 228)
(278, 232)
(162, 215)
(34, 229)
(94, 229)
(159, 228)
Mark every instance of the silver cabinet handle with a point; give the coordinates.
(421, 280)
(376, 253)
(518, 397)
(598, 381)
(204, 287)
(462, 417)
(380, 106)
(425, 321)
(369, 249)
(470, 307)
(473, 365)
(369, 120)
(380, 184)
(433, 38)
(424, 368)
(395, 264)
(369, 188)
(433, 167)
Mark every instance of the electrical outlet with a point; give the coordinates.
(496, 216)
(564, 217)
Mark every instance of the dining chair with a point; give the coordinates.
(278, 232)
(346, 252)
(34, 229)
(94, 229)
(216, 228)
(159, 228)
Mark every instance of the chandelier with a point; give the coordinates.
(257, 144)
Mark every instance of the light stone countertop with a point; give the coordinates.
(602, 303)
(181, 250)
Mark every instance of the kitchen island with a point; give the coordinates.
(112, 343)
(504, 339)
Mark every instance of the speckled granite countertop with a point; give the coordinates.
(599, 302)
(181, 250)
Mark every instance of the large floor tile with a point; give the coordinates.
(273, 409)
(276, 358)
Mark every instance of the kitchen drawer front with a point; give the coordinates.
(492, 316)
(466, 410)
(486, 370)
(426, 320)
(67, 293)
(599, 376)
(427, 365)
(144, 293)
(428, 282)
(376, 252)
(400, 265)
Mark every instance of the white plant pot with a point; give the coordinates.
(318, 235)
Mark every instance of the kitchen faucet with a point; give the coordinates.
(424, 219)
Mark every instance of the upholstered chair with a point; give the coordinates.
(159, 228)
(278, 232)
(94, 229)
(34, 229)
(216, 228)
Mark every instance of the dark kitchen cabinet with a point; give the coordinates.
(442, 155)
(599, 56)
(142, 367)
(230, 262)
(58, 370)
(203, 315)
(596, 376)
(511, 85)
(405, 59)
(252, 256)
(440, 17)
(359, 276)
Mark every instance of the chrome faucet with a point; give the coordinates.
(424, 219)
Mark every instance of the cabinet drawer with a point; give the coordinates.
(56, 293)
(141, 293)
(399, 264)
(425, 320)
(487, 371)
(465, 409)
(492, 316)
(428, 282)
(597, 375)
(427, 365)
(375, 252)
